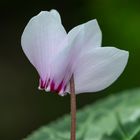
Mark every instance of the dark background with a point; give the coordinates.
(23, 108)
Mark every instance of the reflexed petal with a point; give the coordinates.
(83, 38)
(42, 40)
(86, 35)
(98, 69)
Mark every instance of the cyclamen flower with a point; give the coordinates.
(57, 55)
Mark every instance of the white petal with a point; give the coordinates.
(42, 39)
(83, 38)
(56, 14)
(98, 69)
(86, 36)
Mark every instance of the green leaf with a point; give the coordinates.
(114, 118)
(132, 132)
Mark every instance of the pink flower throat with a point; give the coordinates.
(51, 86)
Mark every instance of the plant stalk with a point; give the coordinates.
(73, 108)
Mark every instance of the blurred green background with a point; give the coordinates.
(23, 108)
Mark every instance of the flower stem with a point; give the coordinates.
(73, 108)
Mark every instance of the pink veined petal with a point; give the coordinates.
(42, 40)
(82, 38)
(98, 69)
(85, 36)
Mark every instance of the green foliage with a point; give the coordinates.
(114, 118)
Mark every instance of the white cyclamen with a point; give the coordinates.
(57, 55)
